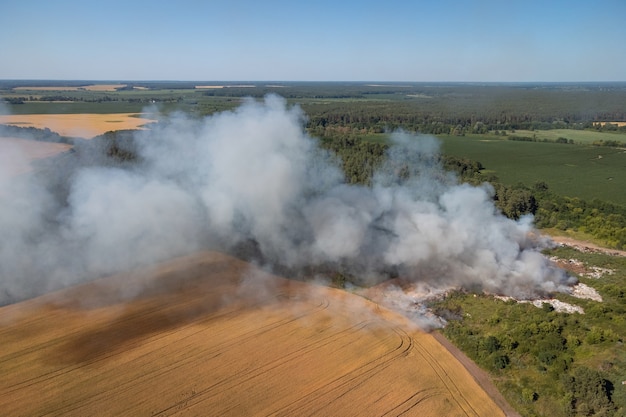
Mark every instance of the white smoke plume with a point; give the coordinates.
(252, 178)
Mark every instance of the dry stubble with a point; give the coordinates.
(195, 336)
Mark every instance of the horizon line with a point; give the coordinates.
(302, 81)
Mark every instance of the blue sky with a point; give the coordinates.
(314, 40)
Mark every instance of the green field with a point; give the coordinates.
(578, 136)
(124, 101)
(582, 171)
(76, 107)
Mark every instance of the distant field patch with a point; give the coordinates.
(78, 125)
(93, 87)
(17, 155)
(619, 124)
(419, 96)
(59, 88)
(578, 136)
(582, 171)
(388, 85)
(225, 86)
(104, 87)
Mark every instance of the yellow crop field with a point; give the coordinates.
(78, 125)
(17, 155)
(619, 124)
(208, 334)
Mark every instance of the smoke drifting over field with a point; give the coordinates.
(253, 178)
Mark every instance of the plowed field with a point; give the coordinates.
(211, 335)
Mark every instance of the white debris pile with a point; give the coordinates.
(597, 272)
(580, 268)
(571, 261)
(558, 305)
(584, 291)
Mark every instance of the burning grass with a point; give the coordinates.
(78, 125)
(208, 334)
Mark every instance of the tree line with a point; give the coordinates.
(532, 352)
(443, 117)
(602, 220)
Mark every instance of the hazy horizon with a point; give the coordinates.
(239, 83)
(394, 41)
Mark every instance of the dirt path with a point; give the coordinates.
(480, 376)
(586, 246)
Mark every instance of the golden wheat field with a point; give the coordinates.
(17, 155)
(618, 124)
(208, 334)
(78, 125)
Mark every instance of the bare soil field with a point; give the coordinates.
(77, 125)
(17, 155)
(93, 87)
(586, 246)
(208, 334)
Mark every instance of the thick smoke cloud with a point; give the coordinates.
(252, 178)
